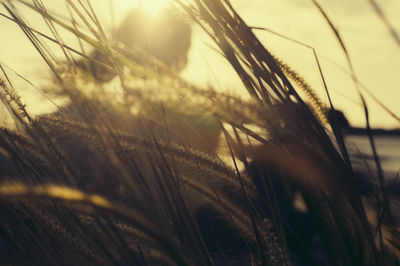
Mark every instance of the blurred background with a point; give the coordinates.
(375, 55)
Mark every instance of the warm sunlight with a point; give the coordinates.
(199, 132)
(153, 6)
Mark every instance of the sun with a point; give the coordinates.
(153, 6)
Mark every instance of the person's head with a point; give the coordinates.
(337, 118)
(165, 37)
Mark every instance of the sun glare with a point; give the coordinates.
(153, 6)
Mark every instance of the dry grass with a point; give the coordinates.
(139, 179)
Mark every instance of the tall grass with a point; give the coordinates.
(144, 179)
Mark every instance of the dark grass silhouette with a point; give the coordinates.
(141, 182)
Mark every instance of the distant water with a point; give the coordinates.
(388, 148)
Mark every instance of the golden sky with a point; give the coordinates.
(375, 55)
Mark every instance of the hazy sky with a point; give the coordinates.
(375, 55)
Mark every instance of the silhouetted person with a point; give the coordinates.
(337, 118)
(165, 37)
